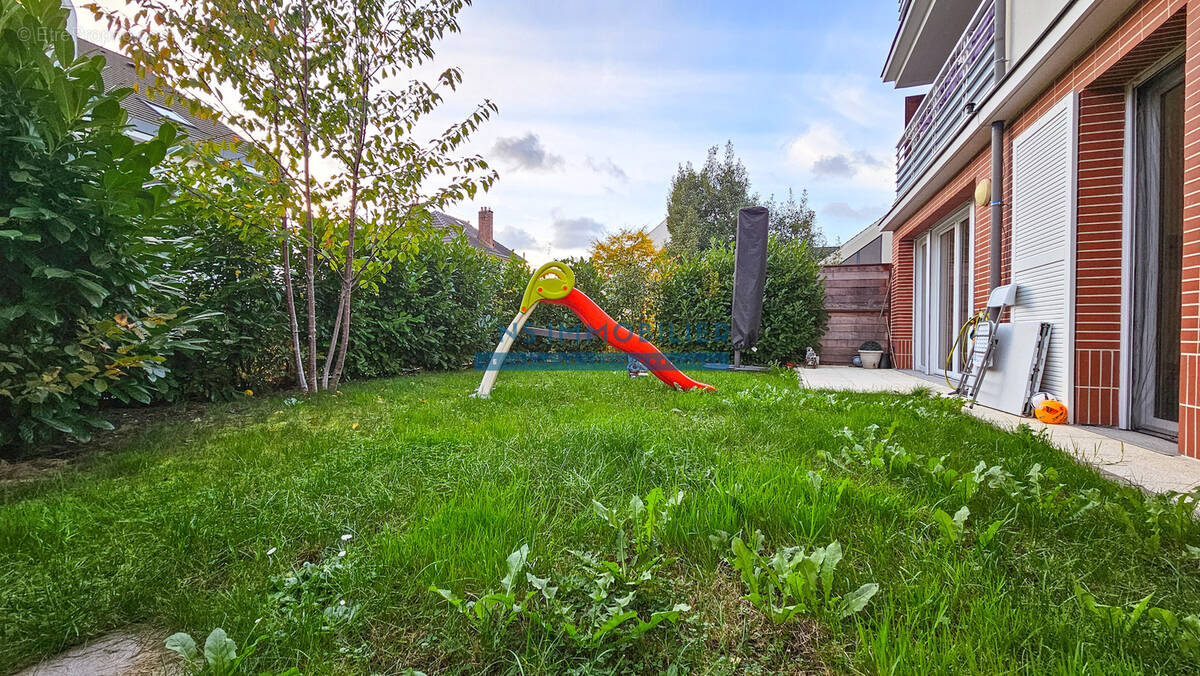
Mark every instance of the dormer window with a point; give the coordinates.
(169, 114)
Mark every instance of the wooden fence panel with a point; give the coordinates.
(856, 298)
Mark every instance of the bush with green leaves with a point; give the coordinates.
(792, 582)
(694, 299)
(225, 249)
(81, 274)
(433, 309)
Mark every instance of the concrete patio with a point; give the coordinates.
(1121, 458)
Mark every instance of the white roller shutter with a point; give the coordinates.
(1043, 223)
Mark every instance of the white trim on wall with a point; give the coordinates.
(1072, 253)
(1124, 404)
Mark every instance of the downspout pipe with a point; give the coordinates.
(999, 70)
(997, 203)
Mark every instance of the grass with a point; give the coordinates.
(175, 527)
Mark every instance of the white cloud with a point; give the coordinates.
(576, 233)
(856, 99)
(516, 239)
(843, 211)
(526, 152)
(606, 166)
(822, 153)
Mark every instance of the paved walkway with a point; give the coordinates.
(1138, 465)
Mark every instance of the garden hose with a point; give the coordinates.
(967, 329)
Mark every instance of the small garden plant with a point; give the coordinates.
(600, 601)
(791, 582)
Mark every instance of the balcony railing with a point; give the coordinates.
(962, 84)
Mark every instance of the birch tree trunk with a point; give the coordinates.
(290, 300)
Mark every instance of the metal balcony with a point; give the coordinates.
(963, 83)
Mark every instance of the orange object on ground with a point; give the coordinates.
(1051, 412)
(599, 323)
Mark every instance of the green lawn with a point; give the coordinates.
(204, 523)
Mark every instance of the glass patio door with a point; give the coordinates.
(1158, 254)
(942, 299)
(920, 304)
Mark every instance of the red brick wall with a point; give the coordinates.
(1189, 381)
(1133, 44)
(1098, 257)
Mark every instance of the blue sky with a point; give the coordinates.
(601, 101)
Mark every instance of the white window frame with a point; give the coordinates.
(925, 295)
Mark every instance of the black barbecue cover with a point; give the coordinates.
(749, 277)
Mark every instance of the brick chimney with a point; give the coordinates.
(911, 103)
(486, 231)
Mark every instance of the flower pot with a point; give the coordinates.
(870, 358)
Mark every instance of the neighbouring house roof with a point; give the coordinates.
(659, 234)
(447, 222)
(872, 242)
(146, 114)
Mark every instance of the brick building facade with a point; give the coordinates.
(1095, 100)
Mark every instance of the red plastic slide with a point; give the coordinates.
(599, 323)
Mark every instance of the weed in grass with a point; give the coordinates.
(1116, 618)
(791, 582)
(1184, 631)
(220, 656)
(952, 527)
(492, 613)
(600, 603)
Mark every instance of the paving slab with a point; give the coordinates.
(139, 653)
(1141, 466)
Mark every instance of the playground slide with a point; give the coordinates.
(555, 283)
(599, 323)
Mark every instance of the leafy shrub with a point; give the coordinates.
(695, 297)
(433, 310)
(228, 264)
(78, 284)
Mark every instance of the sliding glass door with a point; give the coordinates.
(1158, 253)
(942, 299)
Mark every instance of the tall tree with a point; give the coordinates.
(322, 95)
(703, 203)
(793, 220)
(625, 263)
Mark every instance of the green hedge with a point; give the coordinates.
(694, 297)
(86, 312)
(434, 310)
